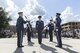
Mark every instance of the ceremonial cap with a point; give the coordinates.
(58, 13)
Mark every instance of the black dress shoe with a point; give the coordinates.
(40, 43)
(50, 41)
(21, 46)
(59, 46)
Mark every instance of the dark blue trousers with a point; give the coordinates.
(58, 35)
(19, 37)
(39, 37)
(29, 34)
(51, 35)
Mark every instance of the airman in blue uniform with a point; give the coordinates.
(51, 28)
(46, 32)
(39, 28)
(29, 31)
(20, 28)
(58, 30)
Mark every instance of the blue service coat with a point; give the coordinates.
(20, 23)
(39, 25)
(58, 22)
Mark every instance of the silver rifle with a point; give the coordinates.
(28, 24)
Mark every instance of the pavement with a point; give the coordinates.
(9, 45)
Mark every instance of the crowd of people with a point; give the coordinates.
(75, 33)
(6, 33)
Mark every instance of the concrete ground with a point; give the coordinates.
(9, 45)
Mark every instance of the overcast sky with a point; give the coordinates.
(70, 9)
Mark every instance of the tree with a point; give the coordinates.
(4, 19)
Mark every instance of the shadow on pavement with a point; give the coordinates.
(34, 51)
(30, 43)
(18, 50)
(47, 48)
(64, 44)
(69, 50)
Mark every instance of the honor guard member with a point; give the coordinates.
(58, 30)
(46, 32)
(51, 28)
(29, 31)
(20, 28)
(39, 28)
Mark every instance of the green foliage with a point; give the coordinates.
(4, 19)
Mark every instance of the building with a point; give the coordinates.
(70, 26)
